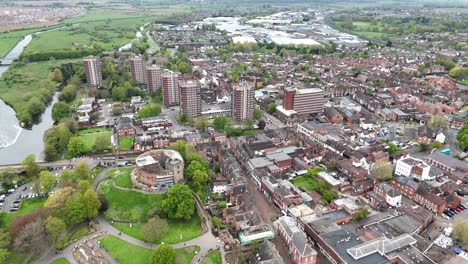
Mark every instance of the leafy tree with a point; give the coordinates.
(76, 147)
(55, 227)
(199, 179)
(68, 93)
(47, 180)
(423, 146)
(57, 200)
(216, 222)
(149, 111)
(154, 229)
(220, 123)
(222, 204)
(60, 110)
(201, 123)
(67, 176)
(389, 43)
(217, 167)
(83, 171)
(361, 214)
(75, 210)
(4, 243)
(56, 75)
(249, 124)
(83, 186)
(258, 113)
(382, 170)
(102, 143)
(195, 165)
(392, 148)
(164, 254)
(35, 107)
(437, 145)
(30, 165)
(91, 203)
(271, 108)
(179, 203)
(50, 152)
(460, 231)
(462, 138)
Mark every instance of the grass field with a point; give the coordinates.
(177, 231)
(89, 136)
(304, 182)
(121, 177)
(27, 206)
(129, 206)
(18, 83)
(214, 257)
(126, 143)
(364, 29)
(126, 252)
(60, 261)
(9, 39)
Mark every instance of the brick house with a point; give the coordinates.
(299, 249)
(124, 127)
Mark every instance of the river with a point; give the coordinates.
(15, 142)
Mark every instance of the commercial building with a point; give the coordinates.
(299, 249)
(154, 78)
(92, 67)
(408, 166)
(138, 69)
(298, 102)
(242, 101)
(190, 98)
(170, 87)
(256, 233)
(160, 168)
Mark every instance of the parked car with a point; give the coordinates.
(13, 209)
(462, 206)
(448, 213)
(457, 209)
(453, 211)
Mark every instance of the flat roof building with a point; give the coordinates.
(242, 101)
(301, 102)
(92, 67)
(138, 69)
(190, 98)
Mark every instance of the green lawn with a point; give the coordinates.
(128, 205)
(60, 261)
(126, 143)
(19, 82)
(178, 231)
(126, 252)
(89, 136)
(9, 39)
(214, 257)
(27, 206)
(121, 177)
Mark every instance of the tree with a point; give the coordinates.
(460, 231)
(91, 203)
(164, 254)
(50, 152)
(56, 75)
(4, 243)
(102, 143)
(194, 165)
(216, 222)
(75, 210)
(57, 200)
(179, 203)
(219, 123)
(83, 186)
(382, 170)
(76, 147)
(154, 229)
(30, 165)
(423, 146)
(149, 111)
(389, 43)
(67, 176)
(199, 179)
(47, 181)
(60, 110)
(201, 123)
(82, 171)
(32, 239)
(55, 227)
(271, 108)
(258, 113)
(361, 214)
(462, 137)
(392, 148)
(437, 145)
(35, 107)
(222, 204)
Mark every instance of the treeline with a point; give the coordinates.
(59, 54)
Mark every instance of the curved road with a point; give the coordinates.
(207, 241)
